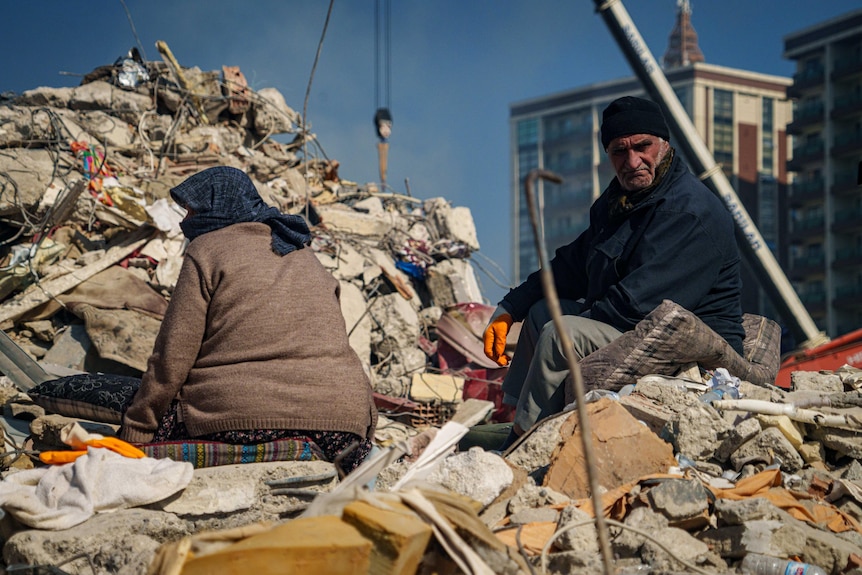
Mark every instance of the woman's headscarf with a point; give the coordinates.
(222, 196)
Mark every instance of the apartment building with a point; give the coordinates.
(825, 200)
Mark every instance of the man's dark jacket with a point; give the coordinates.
(677, 244)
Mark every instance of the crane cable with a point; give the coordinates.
(382, 59)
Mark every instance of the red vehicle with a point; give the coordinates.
(845, 350)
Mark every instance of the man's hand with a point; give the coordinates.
(495, 336)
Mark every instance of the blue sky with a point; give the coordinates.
(456, 66)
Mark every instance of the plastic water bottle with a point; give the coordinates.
(720, 392)
(757, 564)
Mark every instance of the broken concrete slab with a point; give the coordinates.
(744, 430)
(123, 542)
(769, 446)
(785, 538)
(696, 431)
(452, 222)
(841, 441)
(684, 502)
(625, 450)
(453, 281)
(30, 173)
(814, 381)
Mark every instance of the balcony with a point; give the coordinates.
(807, 227)
(807, 265)
(805, 116)
(845, 183)
(847, 220)
(846, 67)
(805, 191)
(847, 143)
(844, 106)
(813, 298)
(848, 296)
(805, 80)
(846, 257)
(810, 151)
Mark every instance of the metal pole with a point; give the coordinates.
(753, 247)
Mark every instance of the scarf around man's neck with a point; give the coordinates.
(621, 202)
(221, 196)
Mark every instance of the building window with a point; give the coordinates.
(683, 94)
(722, 137)
(768, 144)
(527, 160)
(768, 211)
(528, 132)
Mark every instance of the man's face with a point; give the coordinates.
(635, 158)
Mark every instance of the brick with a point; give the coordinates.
(399, 536)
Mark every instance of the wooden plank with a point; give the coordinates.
(36, 295)
(400, 537)
(305, 545)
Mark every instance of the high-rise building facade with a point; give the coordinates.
(741, 116)
(825, 202)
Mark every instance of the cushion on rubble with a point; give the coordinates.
(100, 397)
(670, 337)
(212, 453)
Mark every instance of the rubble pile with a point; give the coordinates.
(92, 248)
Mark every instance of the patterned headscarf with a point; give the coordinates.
(221, 196)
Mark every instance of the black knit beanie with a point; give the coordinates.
(629, 115)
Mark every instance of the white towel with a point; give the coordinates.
(62, 496)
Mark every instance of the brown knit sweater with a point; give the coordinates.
(252, 340)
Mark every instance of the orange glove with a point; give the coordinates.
(495, 336)
(112, 443)
(119, 446)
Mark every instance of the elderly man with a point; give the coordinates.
(655, 233)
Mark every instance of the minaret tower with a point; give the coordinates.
(682, 48)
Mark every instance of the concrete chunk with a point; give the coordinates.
(743, 431)
(453, 281)
(583, 538)
(272, 115)
(684, 502)
(815, 381)
(787, 538)
(476, 473)
(696, 431)
(768, 446)
(456, 223)
(842, 441)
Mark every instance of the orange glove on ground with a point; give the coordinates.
(495, 336)
(112, 443)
